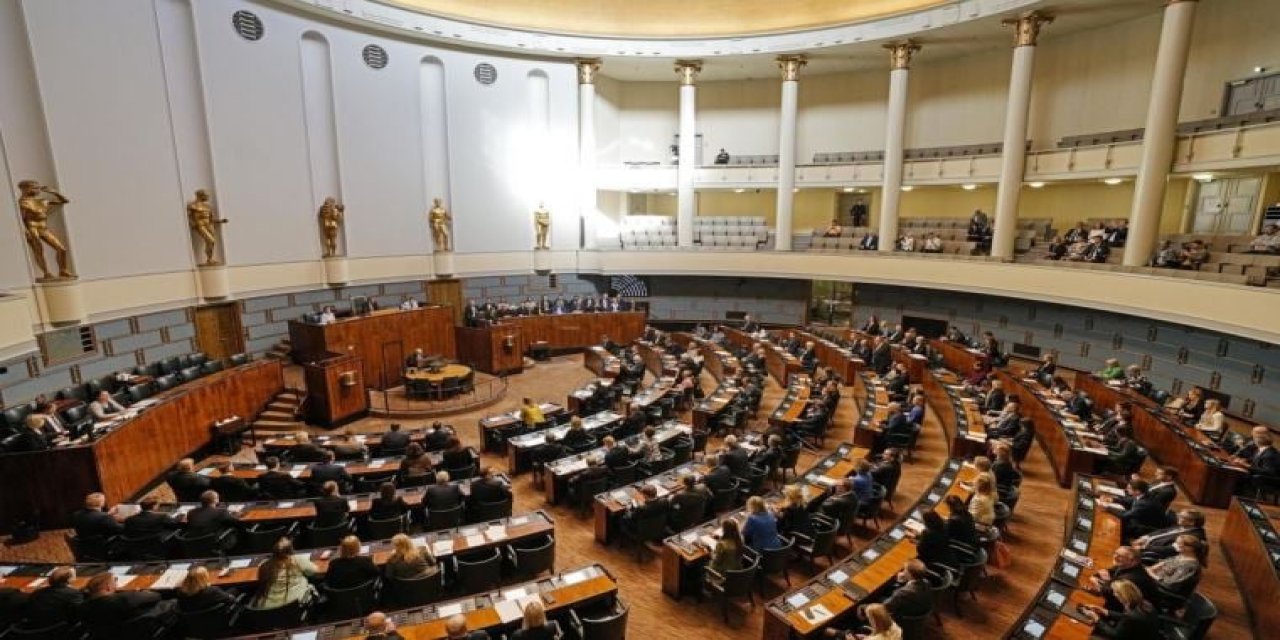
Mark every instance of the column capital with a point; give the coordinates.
(900, 53)
(1027, 27)
(587, 68)
(688, 70)
(790, 67)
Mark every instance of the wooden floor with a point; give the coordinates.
(1035, 534)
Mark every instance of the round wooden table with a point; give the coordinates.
(452, 370)
(425, 382)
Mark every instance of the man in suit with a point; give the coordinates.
(437, 439)
(331, 508)
(456, 628)
(719, 479)
(147, 522)
(996, 399)
(634, 422)
(488, 488)
(31, 437)
(559, 306)
(894, 426)
(615, 456)
(394, 440)
(1005, 425)
(329, 471)
(1158, 545)
(304, 450)
(278, 485)
(345, 447)
(56, 602)
(610, 345)
(103, 407)
(888, 469)
(1126, 566)
(652, 507)
(771, 455)
(53, 427)
(869, 242)
(187, 485)
(735, 457)
(471, 314)
(1260, 456)
(881, 358)
(442, 494)
(594, 472)
(1164, 488)
(913, 598)
(1140, 512)
(749, 324)
(106, 609)
(229, 486)
(842, 501)
(210, 519)
(691, 500)
(1078, 404)
(93, 521)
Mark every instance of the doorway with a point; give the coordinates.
(853, 209)
(1226, 206)
(447, 292)
(218, 331)
(392, 364)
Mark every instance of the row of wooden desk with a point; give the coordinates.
(599, 361)
(780, 364)
(497, 612)
(833, 356)
(488, 426)
(656, 359)
(1092, 535)
(709, 409)
(684, 554)
(138, 446)
(559, 472)
(791, 408)
(874, 412)
(1070, 446)
(520, 449)
(1251, 542)
(804, 611)
(1204, 469)
(960, 358)
(715, 359)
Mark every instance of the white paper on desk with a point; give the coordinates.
(575, 577)
(184, 509)
(535, 441)
(240, 563)
(364, 549)
(830, 482)
(575, 466)
(662, 491)
(708, 542)
(6, 570)
(508, 611)
(495, 533)
(1098, 450)
(235, 508)
(305, 635)
(797, 600)
(514, 594)
(1115, 491)
(837, 576)
(286, 505)
(123, 581)
(296, 473)
(518, 520)
(476, 540)
(170, 579)
(37, 583)
(352, 505)
(420, 541)
(377, 464)
(259, 467)
(447, 610)
(442, 547)
(207, 471)
(120, 571)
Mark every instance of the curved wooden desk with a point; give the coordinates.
(451, 370)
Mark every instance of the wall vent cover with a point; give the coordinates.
(248, 25)
(486, 74)
(374, 56)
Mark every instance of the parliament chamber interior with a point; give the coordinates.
(588, 320)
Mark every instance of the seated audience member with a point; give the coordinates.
(1158, 545)
(147, 522)
(1260, 456)
(346, 447)
(691, 500)
(31, 436)
(862, 482)
(94, 521)
(329, 471)
(1005, 424)
(906, 242)
(378, 626)
(595, 471)
(1165, 488)
(960, 525)
(443, 494)
(393, 441)
(913, 597)
(283, 578)
(647, 448)
(1126, 567)
(409, 561)
(416, 465)
(1078, 233)
(1125, 453)
(55, 602)
(209, 519)
(888, 469)
(1188, 561)
(105, 610)
(387, 504)
(455, 628)
(1212, 422)
(197, 593)
(1194, 254)
(614, 456)
(995, 399)
(727, 555)
(1267, 242)
(932, 243)
(844, 500)
(793, 513)
(331, 508)
(535, 625)
(438, 438)
(1133, 618)
(735, 457)
(577, 435)
(933, 545)
(104, 406)
(1168, 256)
(1191, 406)
(530, 413)
(304, 450)
(1003, 469)
(1119, 234)
(187, 485)
(760, 531)
(457, 456)
(350, 568)
(1057, 248)
(488, 488)
(833, 230)
(652, 507)
(1140, 512)
(982, 506)
(719, 477)
(869, 242)
(229, 486)
(278, 485)
(1112, 370)
(1133, 379)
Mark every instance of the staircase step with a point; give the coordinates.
(282, 405)
(279, 416)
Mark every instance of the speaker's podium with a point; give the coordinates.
(335, 390)
(497, 348)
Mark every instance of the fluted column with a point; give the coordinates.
(587, 204)
(1159, 136)
(1013, 158)
(790, 66)
(894, 127)
(688, 162)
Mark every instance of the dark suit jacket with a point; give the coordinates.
(443, 496)
(545, 632)
(187, 485)
(832, 507)
(92, 523)
(1266, 462)
(280, 485)
(934, 547)
(1146, 511)
(53, 604)
(380, 509)
(30, 440)
(436, 440)
(232, 488)
(202, 600)
(394, 440)
(737, 461)
(309, 452)
(720, 479)
(1139, 577)
(1164, 494)
(330, 510)
(202, 521)
(457, 459)
(490, 490)
(911, 600)
(148, 523)
(322, 473)
(690, 502)
(106, 613)
(617, 457)
(1137, 624)
(881, 359)
(344, 573)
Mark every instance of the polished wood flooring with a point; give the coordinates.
(1035, 533)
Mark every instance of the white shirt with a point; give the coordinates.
(409, 304)
(327, 317)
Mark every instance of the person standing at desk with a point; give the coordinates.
(104, 407)
(530, 413)
(417, 359)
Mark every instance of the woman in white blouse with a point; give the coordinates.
(982, 506)
(1213, 420)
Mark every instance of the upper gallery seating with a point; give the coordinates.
(647, 232)
(731, 232)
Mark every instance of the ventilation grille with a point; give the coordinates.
(374, 56)
(486, 74)
(248, 25)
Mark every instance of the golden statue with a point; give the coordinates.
(542, 225)
(205, 222)
(441, 221)
(331, 216)
(35, 210)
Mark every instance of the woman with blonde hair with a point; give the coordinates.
(535, 625)
(881, 623)
(983, 503)
(1213, 421)
(197, 594)
(282, 579)
(1136, 620)
(793, 514)
(409, 561)
(761, 529)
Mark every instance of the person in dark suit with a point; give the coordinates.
(691, 500)
(615, 456)
(187, 485)
(550, 451)
(652, 507)
(996, 398)
(229, 486)
(93, 521)
(31, 436)
(210, 519)
(771, 455)
(1133, 619)
(1265, 460)
(304, 450)
(388, 504)
(329, 471)
(720, 478)
(634, 422)
(793, 514)
(350, 569)
(1078, 405)
(933, 544)
(1158, 545)
(443, 494)
(895, 426)
(147, 523)
(394, 440)
(471, 314)
(576, 436)
(749, 324)
(106, 609)
(278, 485)
(913, 598)
(378, 626)
(1006, 424)
(1140, 512)
(960, 524)
(55, 602)
(1124, 455)
(881, 358)
(331, 508)
(842, 501)
(437, 439)
(888, 469)
(735, 457)
(457, 456)
(488, 488)
(456, 628)
(197, 594)
(1165, 488)
(593, 473)
(1126, 567)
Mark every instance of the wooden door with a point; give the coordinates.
(218, 331)
(447, 292)
(392, 364)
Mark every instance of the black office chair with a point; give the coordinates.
(171, 365)
(327, 536)
(196, 359)
(731, 585)
(484, 511)
(869, 509)
(665, 460)
(166, 382)
(775, 561)
(371, 484)
(405, 593)
(463, 473)
(385, 528)
(72, 393)
(478, 571)
(76, 418)
(238, 359)
(1194, 623)
(820, 542)
(352, 602)
(140, 392)
(290, 615)
(533, 557)
(724, 500)
(790, 458)
(644, 530)
(55, 631)
(584, 493)
(214, 622)
(91, 549)
(210, 545)
(262, 537)
(212, 366)
(190, 373)
(443, 518)
(623, 475)
(608, 624)
(152, 547)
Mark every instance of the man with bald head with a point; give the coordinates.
(93, 521)
(456, 627)
(380, 627)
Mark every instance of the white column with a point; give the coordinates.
(587, 150)
(894, 128)
(1159, 136)
(687, 166)
(790, 66)
(1013, 158)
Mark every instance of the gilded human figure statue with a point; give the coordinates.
(204, 221)
(331, 218)
(542, 225)
(36, 209)
(441, 222)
